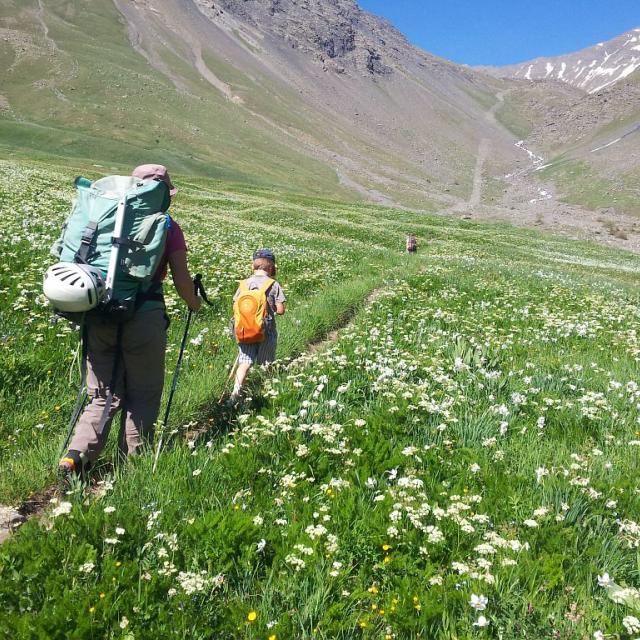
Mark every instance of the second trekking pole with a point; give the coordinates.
(174, 382)
(199, 291)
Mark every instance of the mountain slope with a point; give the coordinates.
(97, 98)
(319, 96)
(590, 69)
(596, 148)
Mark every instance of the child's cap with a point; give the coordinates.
(267, 254)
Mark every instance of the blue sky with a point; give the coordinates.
(503, 31)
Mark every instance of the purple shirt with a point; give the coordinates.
(175, 242)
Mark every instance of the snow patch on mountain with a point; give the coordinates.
(591, 69)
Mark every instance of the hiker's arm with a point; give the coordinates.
(280, 308)
(182, 279)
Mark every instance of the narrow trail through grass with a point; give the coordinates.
(459, 462)
(36, 504)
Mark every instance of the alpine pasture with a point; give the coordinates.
(460, 461)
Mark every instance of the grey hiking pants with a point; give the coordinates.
(138, 387)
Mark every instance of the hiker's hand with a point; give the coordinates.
(195, 304)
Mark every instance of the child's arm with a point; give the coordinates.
(280, 299)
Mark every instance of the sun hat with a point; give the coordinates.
(267, 254)
(155, 172)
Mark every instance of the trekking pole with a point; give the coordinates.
(81, 398)
(77, 410)
(199, 291)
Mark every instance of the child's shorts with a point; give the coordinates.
(260, 352)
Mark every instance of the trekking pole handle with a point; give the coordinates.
(199, 289)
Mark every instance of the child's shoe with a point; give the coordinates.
(235, 398)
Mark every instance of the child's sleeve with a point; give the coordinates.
(279, 293)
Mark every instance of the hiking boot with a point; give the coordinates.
(70, 465)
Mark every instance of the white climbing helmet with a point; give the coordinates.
(73, 287)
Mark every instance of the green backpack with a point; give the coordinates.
(138, 210)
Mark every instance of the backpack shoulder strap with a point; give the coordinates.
(266, 286)
(242, 285)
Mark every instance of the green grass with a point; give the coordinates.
(223, 229)
(80, 99)
(579, 183)
(473, 430)
(515, 116)
(94, 102)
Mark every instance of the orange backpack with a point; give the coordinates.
(249, 313)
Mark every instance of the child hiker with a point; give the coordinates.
(255, 305)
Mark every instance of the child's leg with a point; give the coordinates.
(241, 376)
(246, 358)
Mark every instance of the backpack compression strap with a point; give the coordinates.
(85, 243)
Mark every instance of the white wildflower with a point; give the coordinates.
(605, 580)
(541, 473)
(631, 624)
(479, 603)
(62, 509)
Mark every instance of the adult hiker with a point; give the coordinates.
(125, 360)
(257, 301)
(412, 243)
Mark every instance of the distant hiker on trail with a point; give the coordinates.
(412, 243)
(126, 358)
(256, 303)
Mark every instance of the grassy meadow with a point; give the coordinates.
(460, 462)
(61, 92)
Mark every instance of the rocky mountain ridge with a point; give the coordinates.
(336, 83)
(338, 32)
(577, 121)
(314, 96)
(591, 69)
